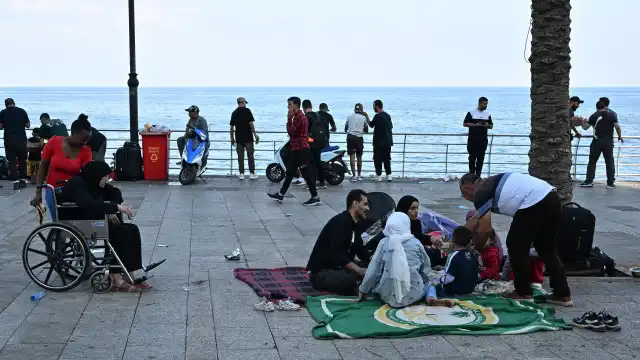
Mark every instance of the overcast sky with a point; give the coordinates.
(305, 42)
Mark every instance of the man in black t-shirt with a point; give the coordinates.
(478, 121)
(14, 121)
(603, 123)
(242, 130)
(97, 142)
(382, 139)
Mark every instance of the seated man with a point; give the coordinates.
(331, 264)
(195, 121)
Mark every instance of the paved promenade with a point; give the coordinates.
(197, 310)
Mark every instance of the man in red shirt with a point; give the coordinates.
(298, 130)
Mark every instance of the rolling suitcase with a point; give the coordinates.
(129, 162)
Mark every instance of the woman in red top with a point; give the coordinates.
(63, 157)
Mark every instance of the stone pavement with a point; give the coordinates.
(197, 310)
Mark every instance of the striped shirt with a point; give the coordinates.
(355, 124)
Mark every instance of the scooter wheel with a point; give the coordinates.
(335, 176)
(187, 175)
(275, 173)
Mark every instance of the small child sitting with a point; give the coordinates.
(461, 270)
(536, 266)
(491, 255)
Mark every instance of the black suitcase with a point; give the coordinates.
(129, 162)
(575, 236)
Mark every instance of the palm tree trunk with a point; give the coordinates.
(550, 152)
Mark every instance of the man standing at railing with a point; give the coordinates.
(242, 122)
(382, 139)
(478, 121)
(603, 122)
(356, 125)
(574, 104)
(14, 121)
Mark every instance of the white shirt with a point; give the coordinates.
(355, 124)
(509, 192)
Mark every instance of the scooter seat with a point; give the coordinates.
(330, 148)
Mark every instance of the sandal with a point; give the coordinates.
(143, 286)
(124, 287)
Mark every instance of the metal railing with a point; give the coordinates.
(417, 155)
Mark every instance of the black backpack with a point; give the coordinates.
(129, 162)
(317, 132)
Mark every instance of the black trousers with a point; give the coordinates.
(300, 159)
(342, 282)
(17, 157)
(317, 164)
(604, 147)
(126, 241)
(382, 155)
(476, 149)
(538, 226)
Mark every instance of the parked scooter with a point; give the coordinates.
(333, 166)
(194, 156)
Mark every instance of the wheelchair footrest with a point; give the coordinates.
(154, 265)
(140, 280)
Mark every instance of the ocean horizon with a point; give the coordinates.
(414, 110)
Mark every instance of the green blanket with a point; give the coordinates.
(341, 317)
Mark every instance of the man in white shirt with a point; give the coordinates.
(478, 121)
(356, 125)
(535, 208)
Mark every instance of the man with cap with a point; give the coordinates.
(355, 126)
(14, 121)
(574, 104)
(196, 121)
(242, 131)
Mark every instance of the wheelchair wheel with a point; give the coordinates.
(100, 282)
(55, 256)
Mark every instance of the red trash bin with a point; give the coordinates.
(155, 155)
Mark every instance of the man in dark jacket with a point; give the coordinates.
(327, 120)
(97, 141)
(382, 140)
(319, 141)
(14, 121)
(331, 264)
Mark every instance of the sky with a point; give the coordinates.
(305, 43)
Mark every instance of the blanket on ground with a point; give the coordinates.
(279, 283)
(341, 317)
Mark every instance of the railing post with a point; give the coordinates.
(446, 160)
(575, 162)
(489, 162)
(404, 151)
(618, 161)
(230, 159)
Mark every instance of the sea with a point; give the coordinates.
(427, 122)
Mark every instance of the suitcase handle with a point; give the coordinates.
(572, 203)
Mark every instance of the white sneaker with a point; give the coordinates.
(378, 178)
(253, 176)
(264, 305)
(359, 178)
(287, 305)
(389, 177)
(241, 176)
(354, 179)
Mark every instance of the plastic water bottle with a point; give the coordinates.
(37, 296)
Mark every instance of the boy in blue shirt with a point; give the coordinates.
(461, 270)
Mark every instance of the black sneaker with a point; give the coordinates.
(276, 196)
(611, 186)
(314, 201)
(611, 322)
(587, 184)
(591, 321)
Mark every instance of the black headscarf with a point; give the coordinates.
(405, 203)
(93, 172)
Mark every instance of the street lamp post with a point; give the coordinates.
(133, 77)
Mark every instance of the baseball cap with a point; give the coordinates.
(192, 108)
(9, 101)
(242, 100)
(359, 106)
(576, 99)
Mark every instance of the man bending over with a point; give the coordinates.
(331, 264)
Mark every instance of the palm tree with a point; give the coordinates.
(550, 152)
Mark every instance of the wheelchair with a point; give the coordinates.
(60, 254)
